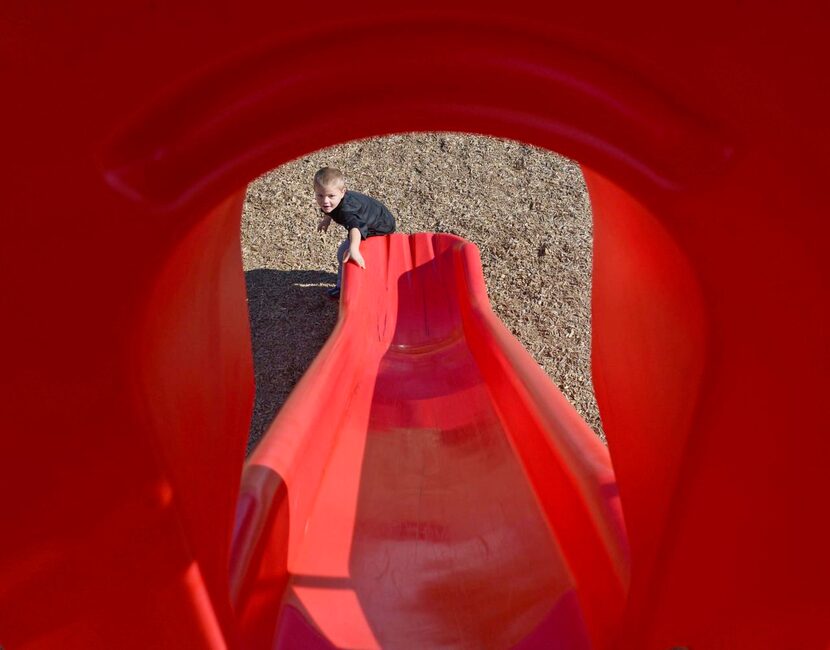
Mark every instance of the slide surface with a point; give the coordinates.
(426, 485)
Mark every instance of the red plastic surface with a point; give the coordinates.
(129, 131)
(426, 482)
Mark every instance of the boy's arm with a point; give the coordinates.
(354, 249)
(324, 223)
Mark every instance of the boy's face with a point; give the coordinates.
(328, 198)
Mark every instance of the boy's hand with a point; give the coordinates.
(356, 256)
(324, 224)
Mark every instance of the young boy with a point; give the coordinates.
(361, 216)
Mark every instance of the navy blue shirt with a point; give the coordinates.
(368, 215)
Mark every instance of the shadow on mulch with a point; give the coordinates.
(291, 317)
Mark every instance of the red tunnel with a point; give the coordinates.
(127, 381)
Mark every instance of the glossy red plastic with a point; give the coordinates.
(129, 133)
(426, 484)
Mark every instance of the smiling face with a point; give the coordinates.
(328, 197)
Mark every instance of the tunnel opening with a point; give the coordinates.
(526, 209)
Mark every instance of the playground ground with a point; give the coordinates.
(526, 209)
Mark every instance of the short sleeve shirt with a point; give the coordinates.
(368, 215)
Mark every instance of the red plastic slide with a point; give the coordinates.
(426, 485)
(129, 133)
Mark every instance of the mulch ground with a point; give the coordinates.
(527, 210)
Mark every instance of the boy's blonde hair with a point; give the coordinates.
(329, 176)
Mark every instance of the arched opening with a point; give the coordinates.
(527, 209)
